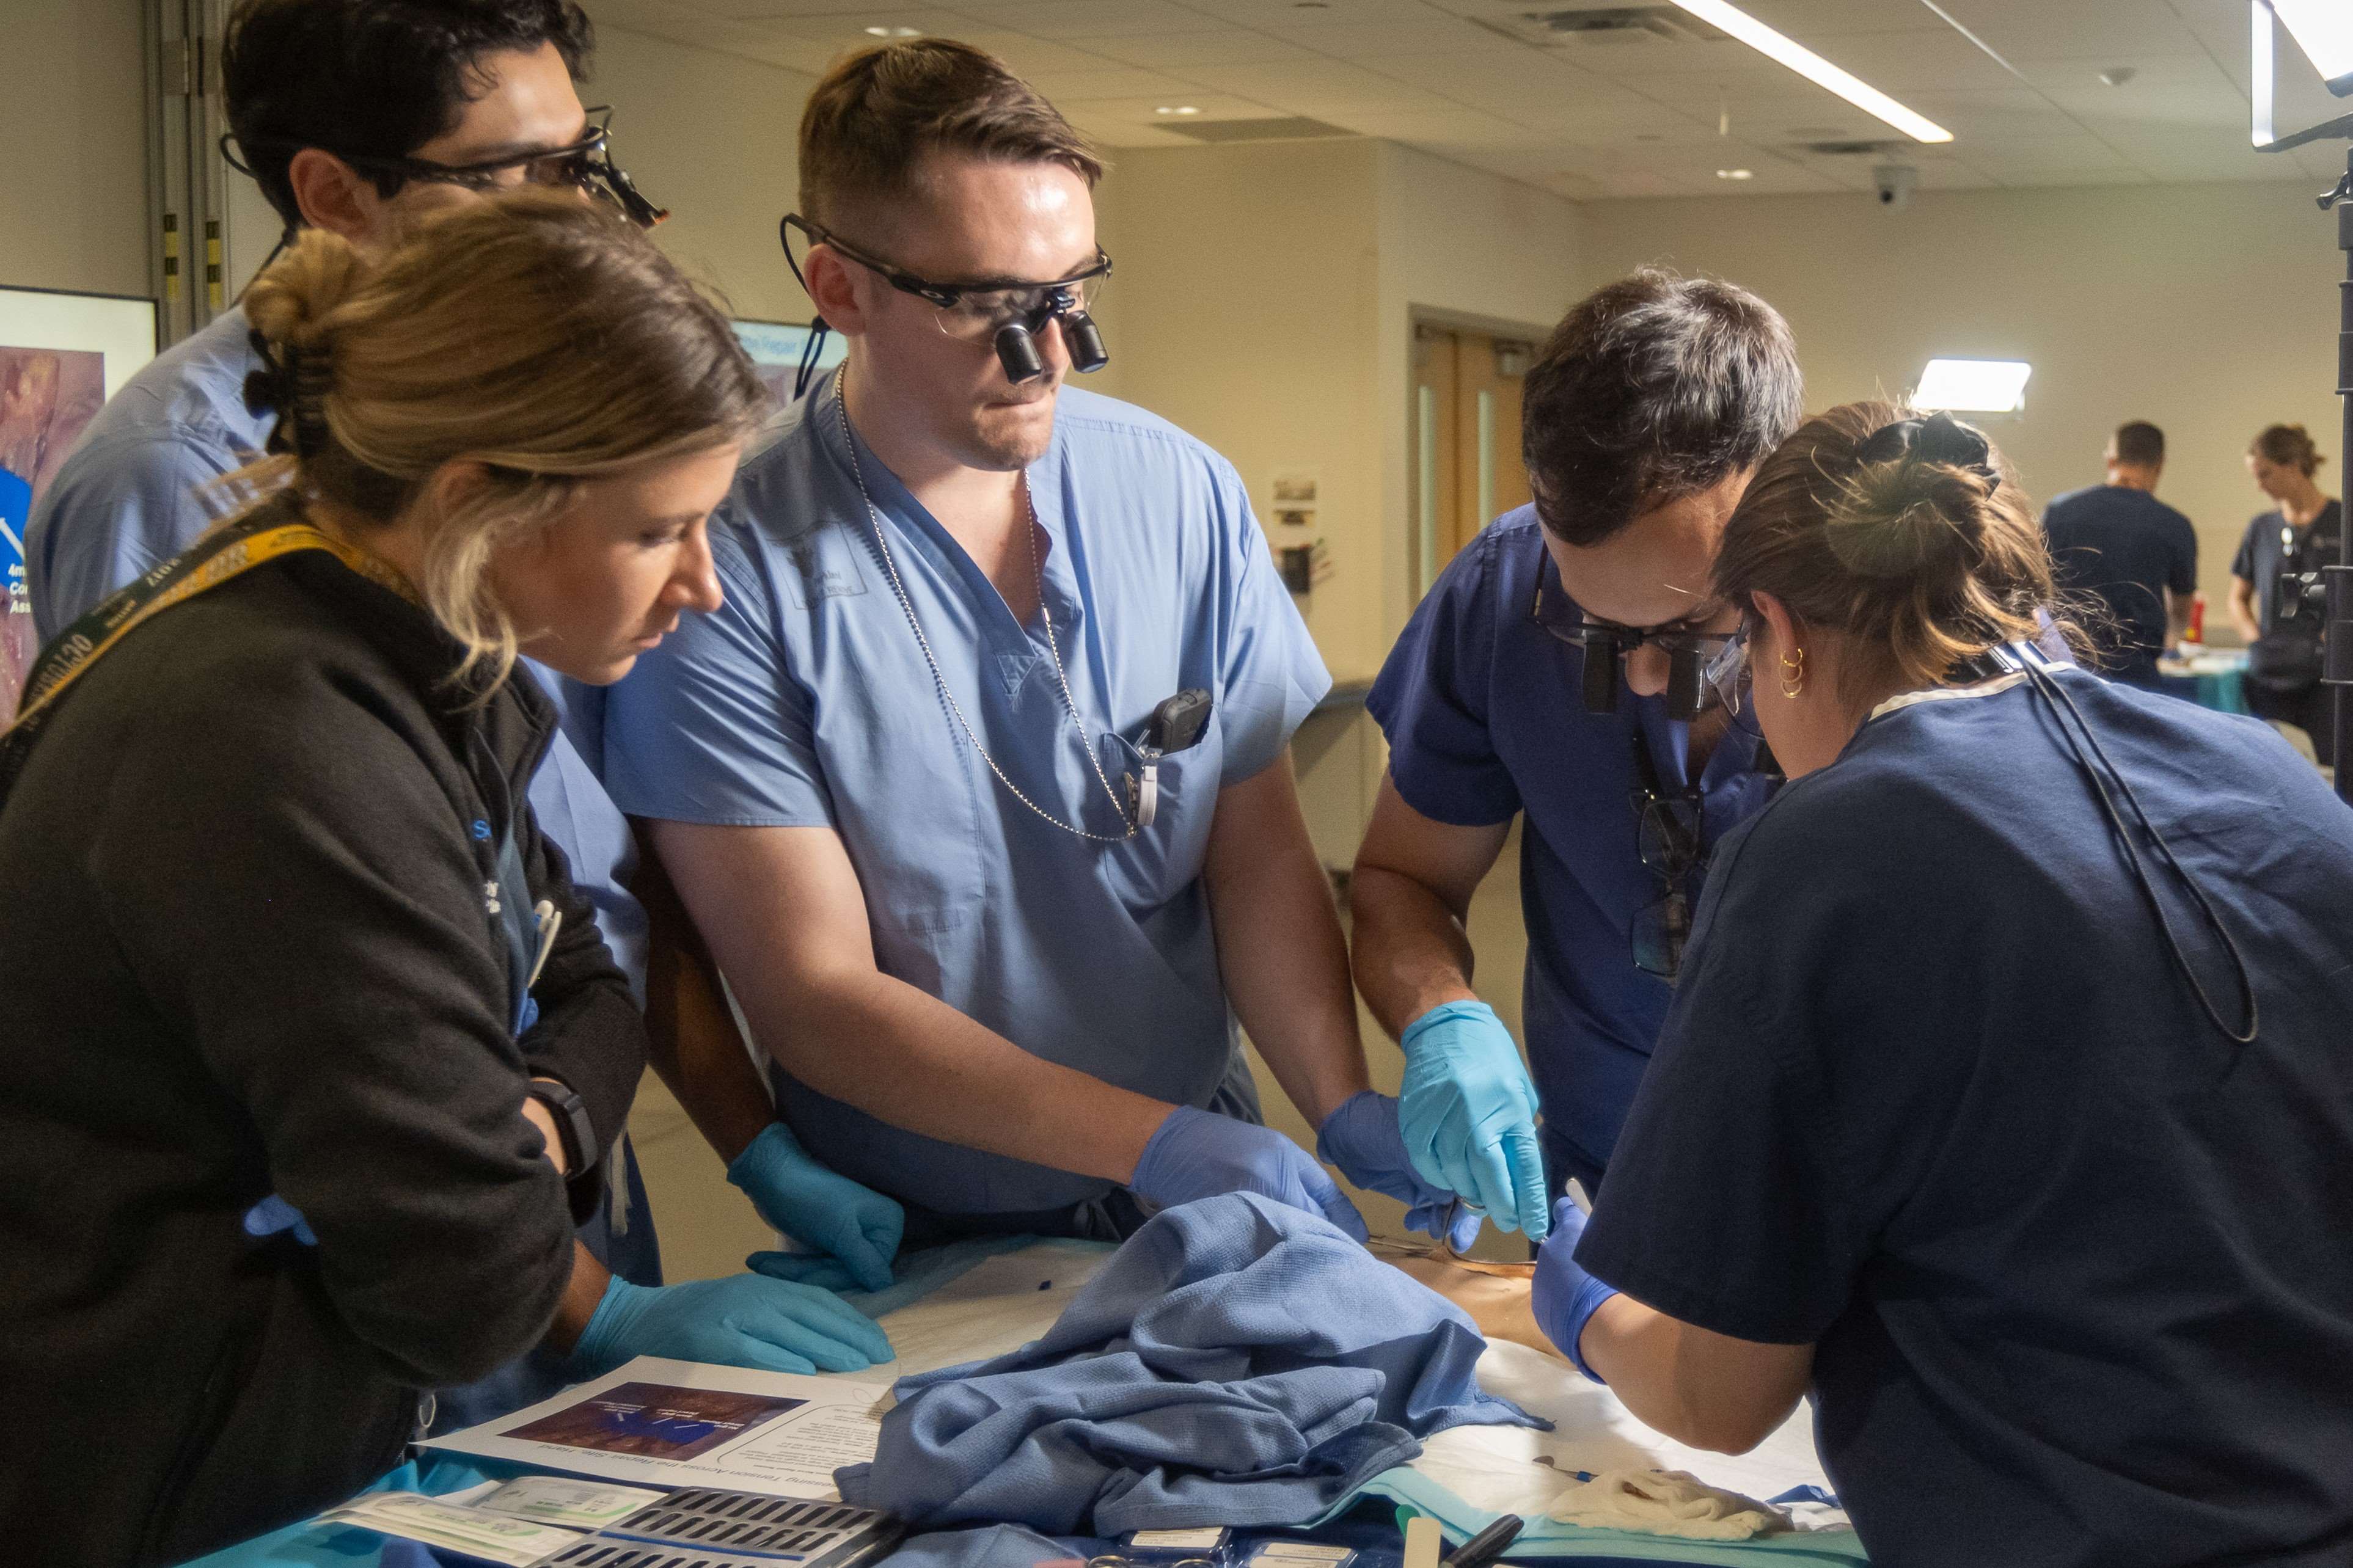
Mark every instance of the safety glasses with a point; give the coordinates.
(972, 312)
(1004, 314)
(585, 165)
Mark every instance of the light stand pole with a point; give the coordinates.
(2337, 579)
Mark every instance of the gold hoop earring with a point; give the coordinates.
(1793, 674)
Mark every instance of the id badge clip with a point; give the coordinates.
(1174, 726)
(1143, 792)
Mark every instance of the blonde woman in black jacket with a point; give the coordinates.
(308, 1038)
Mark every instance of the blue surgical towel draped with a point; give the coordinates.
(1237, 1363)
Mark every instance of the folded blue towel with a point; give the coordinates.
(1237, 1363)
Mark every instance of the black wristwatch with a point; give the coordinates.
(572, 1124)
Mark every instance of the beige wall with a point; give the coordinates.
(1474, 248)
(1244, 295)
(2210, 309)
(73, 185)
(711, 137)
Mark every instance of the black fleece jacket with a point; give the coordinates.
(245, 949)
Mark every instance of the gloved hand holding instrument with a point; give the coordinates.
(1469, 1114)
(1364, 1140)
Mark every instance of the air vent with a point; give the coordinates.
(1287, 129)
(1588, 26)
(1852, 149)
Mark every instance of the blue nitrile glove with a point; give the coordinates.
(1364, 1140)
(821, 1270)
(1565, 1297)
(819, 1208)
(1198, 1154)
(745, 1320)
(273, 1215)
(1470, 1114)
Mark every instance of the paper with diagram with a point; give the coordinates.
(665, 1423)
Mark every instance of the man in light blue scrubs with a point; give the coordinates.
(361, 122)
(978, 785)
(1533, 683)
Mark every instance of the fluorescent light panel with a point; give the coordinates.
(1973, 385)
(1788, 51)
(2323, 29)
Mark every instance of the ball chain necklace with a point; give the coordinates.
(1062, 677)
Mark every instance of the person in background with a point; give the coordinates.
(2118, 543)
(978, 785)
(2300, 534)
(364, 120)
(2005, 1101)
(1644, 416)
(310, 1035)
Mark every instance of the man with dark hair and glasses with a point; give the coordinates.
(363, 117)
(1571, 667)
(978, 784)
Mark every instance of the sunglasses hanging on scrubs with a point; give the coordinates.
(1005, 314)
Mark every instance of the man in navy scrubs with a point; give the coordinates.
(2136, 555)
(1644, 417)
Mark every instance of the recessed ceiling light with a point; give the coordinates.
(1736, 174)
(895, 32)
(1788, 51)
(2116, 76)
(1176, 109)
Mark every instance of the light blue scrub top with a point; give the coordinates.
(805, 702)
(140, 487)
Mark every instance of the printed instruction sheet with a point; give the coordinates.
(686, 1424)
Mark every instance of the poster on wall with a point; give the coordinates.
(776, 348)
(62, 355)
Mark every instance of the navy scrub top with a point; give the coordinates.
(1936, 1098)
(1486, 719)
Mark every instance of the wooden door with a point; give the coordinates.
(1466, 441)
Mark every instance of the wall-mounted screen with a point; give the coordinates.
(776, 347)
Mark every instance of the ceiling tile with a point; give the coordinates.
(1177, 51)
(1091, 18)
(1031, 55)
(849, 31)
(1115, 81)
(1599, 120)
(2057, 29)
(1314, 13)
(1440, 35)
(1142, 112)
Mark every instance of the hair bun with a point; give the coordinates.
(1912, 517)
(289, 306)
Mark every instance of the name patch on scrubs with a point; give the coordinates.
(822, 573)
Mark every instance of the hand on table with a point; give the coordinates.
(1198, 1154)
(745, 1320)
(820, 1208)
(1364, 1139)
(1469, 1114)
(1565, 1296)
